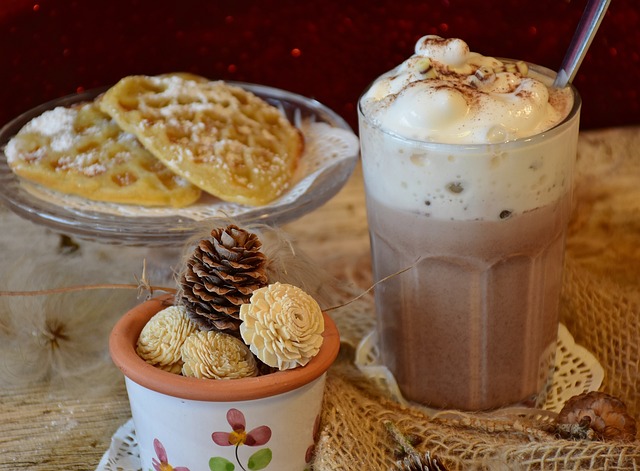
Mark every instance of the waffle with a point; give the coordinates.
(82, 151)
(221, 138)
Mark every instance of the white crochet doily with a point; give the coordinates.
(123, 454)
(576, 370)
(325, 147)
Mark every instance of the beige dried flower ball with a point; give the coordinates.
(162, 337)
(216, 355)
(282, 325)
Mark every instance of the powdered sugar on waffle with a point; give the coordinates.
(56, 124)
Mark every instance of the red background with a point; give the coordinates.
(329, 49)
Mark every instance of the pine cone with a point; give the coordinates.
(596, 415)
(417, 462)
(221, 275)
(412, 460)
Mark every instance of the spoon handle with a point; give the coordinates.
(589, 23)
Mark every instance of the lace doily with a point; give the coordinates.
(326, 147)
(576, 370)
(123, 454)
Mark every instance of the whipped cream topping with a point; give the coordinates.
(446, 93)
(452, 134)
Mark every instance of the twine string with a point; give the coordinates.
(143, 285)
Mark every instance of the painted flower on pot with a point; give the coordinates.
(162, 462)
(238, 437)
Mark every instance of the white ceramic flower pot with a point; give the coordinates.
(267, 422)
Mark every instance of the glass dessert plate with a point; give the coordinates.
(330, 155)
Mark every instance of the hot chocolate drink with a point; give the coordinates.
(468, 166)
(479, 308)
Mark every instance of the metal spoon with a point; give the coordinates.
(589, 23)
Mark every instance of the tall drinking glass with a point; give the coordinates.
(472, 324)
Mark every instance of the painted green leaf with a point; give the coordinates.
(260, 459)
(218, 463)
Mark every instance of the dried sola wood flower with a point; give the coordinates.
(282, 325)
(217, 355)
(162, 338)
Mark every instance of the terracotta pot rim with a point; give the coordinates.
(122, 346)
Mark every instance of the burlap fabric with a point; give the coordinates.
(601, 308)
